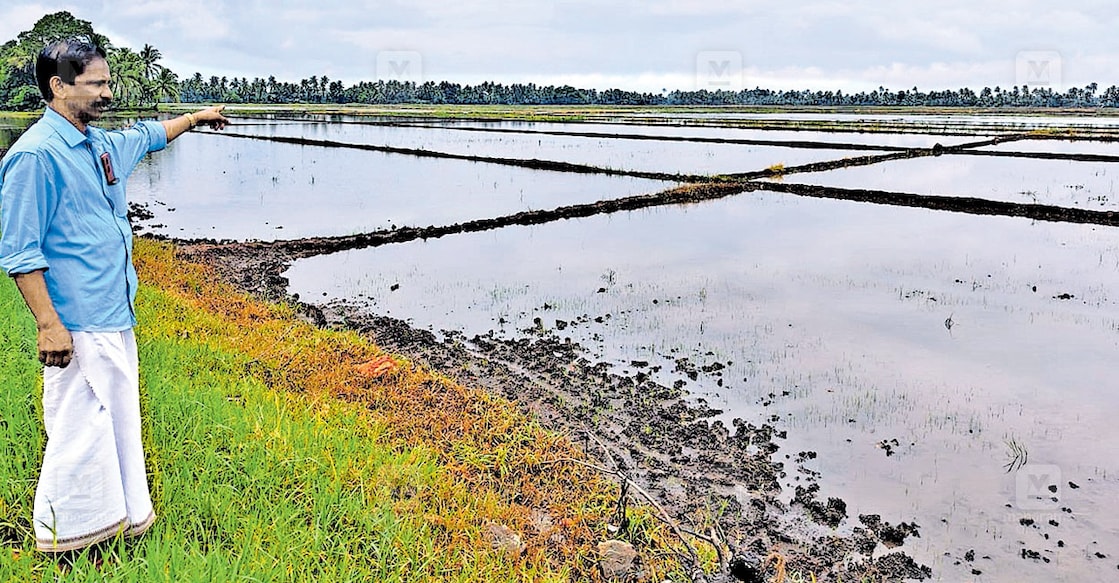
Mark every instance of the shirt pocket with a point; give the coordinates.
(117, 199)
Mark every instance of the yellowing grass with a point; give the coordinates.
(272, 458)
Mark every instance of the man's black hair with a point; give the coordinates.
(65, 59)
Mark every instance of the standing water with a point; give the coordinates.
(948, 369)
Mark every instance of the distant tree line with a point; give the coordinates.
(139, 81)
(323, 90)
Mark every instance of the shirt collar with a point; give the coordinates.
(64, 128)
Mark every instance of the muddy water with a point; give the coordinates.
(217, 187)
(1071, 183)
(855, 326)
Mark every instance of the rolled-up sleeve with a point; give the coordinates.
(24, 212)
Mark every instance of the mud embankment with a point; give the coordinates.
(532, 164)
(721, 482)
(311, 246)
(1043, 155)
(801, 144)
(957, 204)
(688, 193)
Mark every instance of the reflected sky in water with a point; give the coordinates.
(844, 306)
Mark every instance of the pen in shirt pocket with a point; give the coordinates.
(107, 166)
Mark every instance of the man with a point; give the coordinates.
(66, 240)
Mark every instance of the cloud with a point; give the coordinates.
(635, 44)
(204, 21)
(17, 18)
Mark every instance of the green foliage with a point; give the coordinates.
(138, 78)
(130, 87)
(25, 97)
(166, 85)
(54, 27)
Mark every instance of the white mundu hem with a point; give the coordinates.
(93, 485)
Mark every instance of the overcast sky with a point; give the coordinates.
(645, 45)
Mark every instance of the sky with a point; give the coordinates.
(637, 45)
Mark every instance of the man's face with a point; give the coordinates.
(90, 95)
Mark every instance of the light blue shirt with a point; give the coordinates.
(58, 212)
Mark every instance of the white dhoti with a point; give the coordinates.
(93, 485)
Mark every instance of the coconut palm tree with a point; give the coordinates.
(166, 85)
(129, 84)
(151, 56)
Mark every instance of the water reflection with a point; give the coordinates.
(648, 156)
(1089, 185)
(837, 137)
(209, 186)
(844, 307)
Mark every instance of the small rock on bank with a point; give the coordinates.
(617, 559)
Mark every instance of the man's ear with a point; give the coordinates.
(58, 88)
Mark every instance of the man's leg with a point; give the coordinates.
(79, 499)
(130, 445)
(101, 386)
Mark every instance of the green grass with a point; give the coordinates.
(251, 484)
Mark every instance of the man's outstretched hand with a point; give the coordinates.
(212, 117)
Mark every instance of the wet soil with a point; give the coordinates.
(699, 470)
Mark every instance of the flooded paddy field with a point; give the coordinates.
(907, 359)
(1066, 183)
(1057, 146)
(265, 190)
(648, 155)
(914, 380)
(704, 131)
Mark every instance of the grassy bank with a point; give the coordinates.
(274, 455)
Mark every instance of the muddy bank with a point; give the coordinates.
(291, 249)
(1044, 155)
(721, 482)
(893, 153)
(958, 204)
(311, 246)
(532, 164)
(803, 144)
(901, 154)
